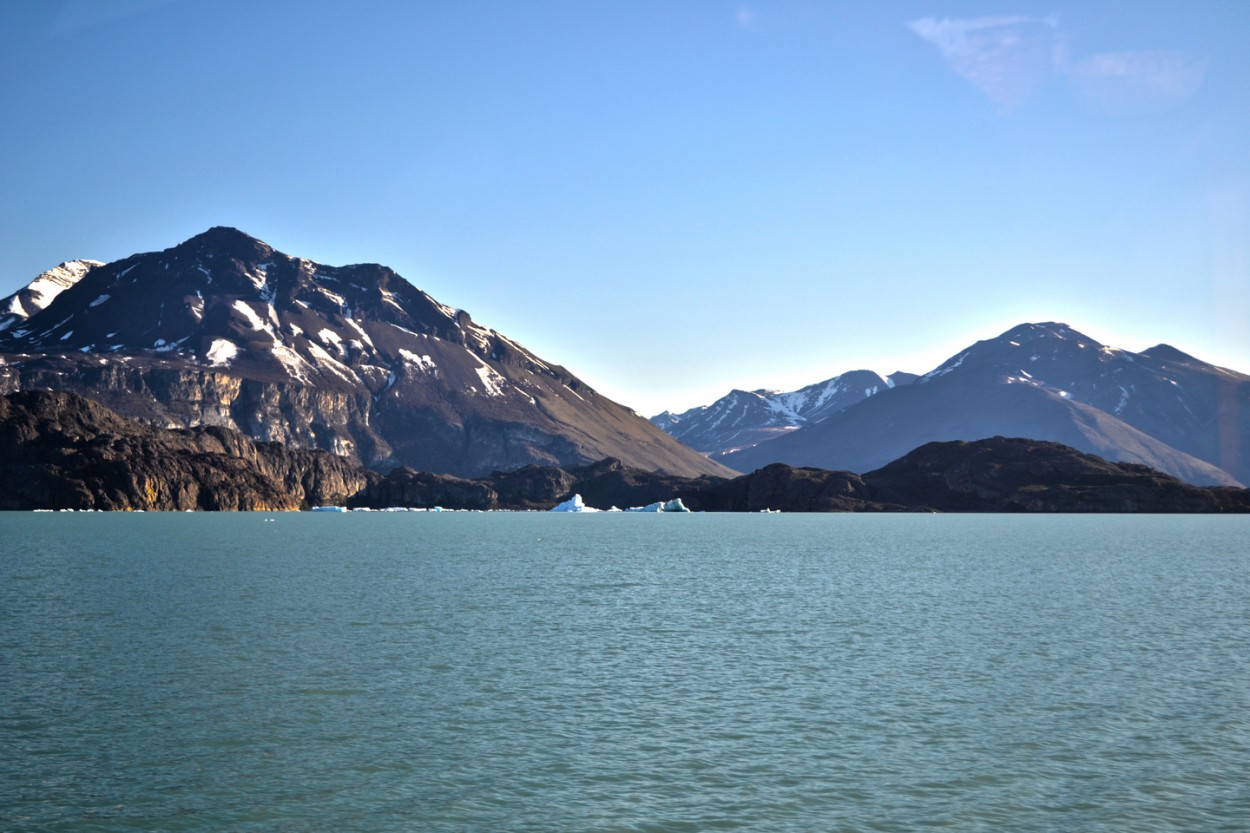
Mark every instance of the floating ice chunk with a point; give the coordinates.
(674, 505)
(573, 504)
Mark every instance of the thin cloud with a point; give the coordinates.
(1007, 58)
(1011, 58)
(1137, 81)
(745, 17)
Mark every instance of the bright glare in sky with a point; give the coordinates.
(670, 199)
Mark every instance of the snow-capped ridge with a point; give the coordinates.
(43, 290)
(744, 418)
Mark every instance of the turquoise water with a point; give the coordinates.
(531, 672)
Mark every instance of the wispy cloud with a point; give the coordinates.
(1137, 81)
(1007, 58)
(1011, 58)
(745, 16)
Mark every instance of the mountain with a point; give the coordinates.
(1161, 408)
(742, 419)
(225, 330)
(42, 290)
(63, 451)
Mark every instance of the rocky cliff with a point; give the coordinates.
(61, 451)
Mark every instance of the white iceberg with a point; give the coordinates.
(674, 505)
(573, 504)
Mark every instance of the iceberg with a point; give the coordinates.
(674, 505)
(573, 504)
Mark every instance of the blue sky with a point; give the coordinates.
(671, 199)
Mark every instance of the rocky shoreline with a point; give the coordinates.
(63, 451)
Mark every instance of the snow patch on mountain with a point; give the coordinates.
(244, 309)
(424, 363)
(294, 364)
(221, 352)
(42, 291)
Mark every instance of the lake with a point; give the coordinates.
(536, 672)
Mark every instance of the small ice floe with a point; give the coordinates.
(674, 505)
(574, 504)
(329, 509)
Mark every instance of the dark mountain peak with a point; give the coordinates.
(1033, 329)
(1168, 353)
(223, 242)
(1023, 346)
(1044, 331)
(857, 377)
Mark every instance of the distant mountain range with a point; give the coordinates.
(225, 330)
(1160, 407)
(742, 418)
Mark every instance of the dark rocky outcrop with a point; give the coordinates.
(604, 484)
(61, 451)
(993, 475)
(1015, 475)
(786, 488)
